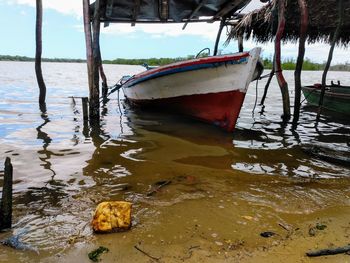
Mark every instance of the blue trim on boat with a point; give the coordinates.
(183, 69)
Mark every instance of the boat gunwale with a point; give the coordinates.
(187, 63)
(317, 91)
(134, 81)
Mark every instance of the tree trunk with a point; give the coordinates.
(38, 39)
(278, 68)
(304, 19)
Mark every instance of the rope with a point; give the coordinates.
(267, 75)
(114, 88)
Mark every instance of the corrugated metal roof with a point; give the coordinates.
(145, 11)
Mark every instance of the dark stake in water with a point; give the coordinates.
(199, 193)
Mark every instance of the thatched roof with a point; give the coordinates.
(261, 25)
(163, 11)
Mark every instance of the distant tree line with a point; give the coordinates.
(23, 58)
(287, 64)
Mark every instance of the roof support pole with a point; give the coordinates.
(304, 20)
(94, 108)
(278, 68)
(330, 56)
(88, 43)
(38, 39)
(222, 24)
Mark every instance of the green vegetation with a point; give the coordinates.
(287, 64)
(95, 255)
(23, 58)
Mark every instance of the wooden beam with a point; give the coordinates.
(199, 6)
(304, 20)
(164, 10)
(136, 11)
(128, 21)
(38, 51)
(278, 68)
(330, 56)
(226, 9)
(109, 9)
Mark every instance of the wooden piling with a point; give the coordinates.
(90, 58)
(94, 109)
(6, 201)
(304, 20)
(84, 102)
(38, 52)
(278, 67)
(330, 56)
(88, 42)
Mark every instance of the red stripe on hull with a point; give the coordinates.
(221, 108)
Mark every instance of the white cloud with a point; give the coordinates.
(67, 7)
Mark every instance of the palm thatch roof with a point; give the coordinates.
(261, 25)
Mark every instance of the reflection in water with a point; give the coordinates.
(46, 141)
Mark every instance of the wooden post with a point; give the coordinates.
(278, 68)
(222, 24)
(240, 42)
(84, 102)
(93, 63)
(6, 201)
(272, 72)
(94, 109)
(104, 80)
(330, 56)
(38, 52)
(304, 20)
(88, 42)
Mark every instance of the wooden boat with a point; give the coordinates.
(211, 89)
(336, 97)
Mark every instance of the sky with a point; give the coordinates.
(63, 35)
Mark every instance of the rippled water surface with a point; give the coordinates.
(225, 188)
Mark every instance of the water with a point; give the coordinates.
(225, 188)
